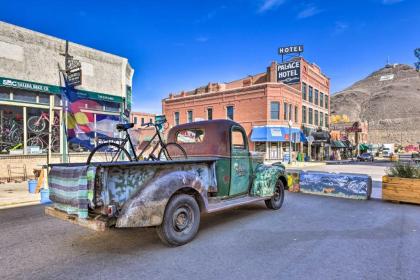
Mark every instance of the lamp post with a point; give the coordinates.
(290, 141)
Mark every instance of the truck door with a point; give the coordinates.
(240, 166)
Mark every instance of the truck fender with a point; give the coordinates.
(147, 207)
(265, 179)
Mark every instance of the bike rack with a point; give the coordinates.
(17, 172)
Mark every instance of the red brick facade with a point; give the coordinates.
(250, 98)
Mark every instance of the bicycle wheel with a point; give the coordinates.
(172, 151)
(108, 152)
(36, 125)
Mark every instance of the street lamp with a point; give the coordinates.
(290, 141)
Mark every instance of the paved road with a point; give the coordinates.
(311, 237)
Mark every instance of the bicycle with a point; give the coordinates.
(113, 150)
(37, 124)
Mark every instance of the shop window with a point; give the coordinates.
(311, 94)
(57, 101)
(24, 96)
(209, 113)
(316, 97)
(260, 147)
(304, 91)
(111, 107)
(44, 98)
(229, 112)
(275, 110)
(189, 116)
(37, 123)
(11, 129)
(190, 136)
(4, 95)
(310, 116)
(176, 118)
(303, 114)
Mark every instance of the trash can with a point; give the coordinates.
(32, 186)
(45, 196)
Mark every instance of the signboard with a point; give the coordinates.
(74, 78)
(73, 64)
(288, 72)
(276, 132)
(291, 49)
(386, 77)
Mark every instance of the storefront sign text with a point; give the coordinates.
(291, 49)
(288, 72)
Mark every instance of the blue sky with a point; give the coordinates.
(176, 45)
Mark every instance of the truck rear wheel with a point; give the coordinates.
(276, 201)
(180, 221)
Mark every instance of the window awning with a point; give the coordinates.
(276, 134)
(337, 144)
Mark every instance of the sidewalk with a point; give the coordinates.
(298, 163)
(17, 194)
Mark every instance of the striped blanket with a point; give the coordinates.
(71, 188)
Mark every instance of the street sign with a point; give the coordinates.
(289, 72)
(74, 78)
(73, 64)
(310, 139)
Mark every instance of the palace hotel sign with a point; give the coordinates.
(289, 72)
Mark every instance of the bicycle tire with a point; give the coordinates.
(100, 148)
(36, 128)
(175, 151)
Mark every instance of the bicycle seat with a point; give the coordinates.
(124, 126)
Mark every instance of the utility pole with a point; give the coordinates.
(290, 141)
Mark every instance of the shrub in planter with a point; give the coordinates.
(402, 183)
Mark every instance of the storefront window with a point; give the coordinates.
(111, 106)
(260, 147)
(11, 129)
(24, 96)
(37, 128)
(57, 101)
(4, 94)
(44, 98)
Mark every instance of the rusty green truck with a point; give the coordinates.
(219, 173)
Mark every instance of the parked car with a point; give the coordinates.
(365, 157)
(219, 173)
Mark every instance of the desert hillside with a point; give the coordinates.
(389, 100)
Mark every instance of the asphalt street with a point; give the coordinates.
(311, 237)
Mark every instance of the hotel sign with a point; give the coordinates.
(289, 72)
(291, 49)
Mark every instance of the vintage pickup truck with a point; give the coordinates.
(219, 173)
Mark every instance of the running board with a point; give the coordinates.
(232, 202)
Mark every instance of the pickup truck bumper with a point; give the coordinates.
(98, 224)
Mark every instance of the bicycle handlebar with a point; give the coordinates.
(154, 124)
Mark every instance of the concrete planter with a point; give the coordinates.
(401, 189)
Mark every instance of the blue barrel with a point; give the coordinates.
(32, 185)
(45, 196)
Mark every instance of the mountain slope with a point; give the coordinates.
(390, 105)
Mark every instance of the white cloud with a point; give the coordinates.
(269, 5)
(308, 11)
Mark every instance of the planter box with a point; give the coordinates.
(401, 189)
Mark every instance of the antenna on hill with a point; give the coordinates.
(388, 65)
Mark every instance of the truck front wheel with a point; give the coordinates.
(276, 201)
(180, 221)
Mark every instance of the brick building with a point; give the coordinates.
(262, 105)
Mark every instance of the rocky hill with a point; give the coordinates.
(389, 100)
